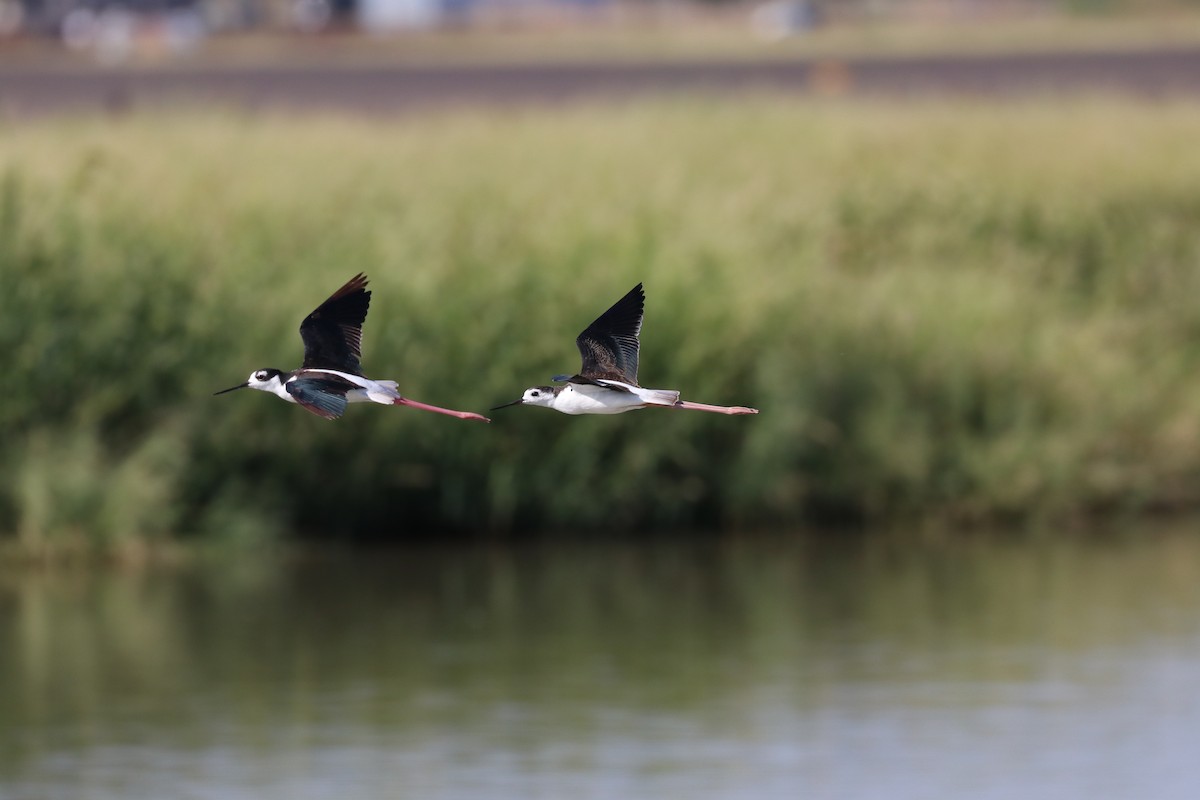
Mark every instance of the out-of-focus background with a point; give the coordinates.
(951, 250)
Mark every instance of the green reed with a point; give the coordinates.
(946, 311)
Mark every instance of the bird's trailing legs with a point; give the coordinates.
(690, 406)
(404, 401)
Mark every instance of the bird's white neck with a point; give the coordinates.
(274, 385)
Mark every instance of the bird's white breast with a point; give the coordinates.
(587, 399)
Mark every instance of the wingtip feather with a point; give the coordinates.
(358, 282)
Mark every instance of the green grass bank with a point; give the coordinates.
(944, 311)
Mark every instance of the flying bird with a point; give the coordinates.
(607, 382)
(331, 375)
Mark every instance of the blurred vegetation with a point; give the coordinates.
(944, 311)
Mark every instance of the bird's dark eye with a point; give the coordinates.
(261, 375)
(536, 393)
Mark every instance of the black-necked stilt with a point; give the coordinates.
(607, 382)
(331, 375)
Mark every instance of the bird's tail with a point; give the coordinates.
(383, 392)
(658, 397)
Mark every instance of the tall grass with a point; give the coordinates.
(950, 311)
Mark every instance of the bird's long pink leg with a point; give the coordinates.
(404, 401)
(685, 404)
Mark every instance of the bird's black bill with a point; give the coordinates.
(506, 405)
(231, 388)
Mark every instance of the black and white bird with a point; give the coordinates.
(331, 376)
(607, 381)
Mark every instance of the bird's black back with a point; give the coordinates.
(332, 333)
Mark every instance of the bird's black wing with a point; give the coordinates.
(586, 381)
(325, 398)
(609, 345)
(333, 333)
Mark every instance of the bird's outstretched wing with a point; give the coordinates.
(609, 345)
(332, 333)
(325, 398)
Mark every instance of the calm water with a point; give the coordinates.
(756, 669)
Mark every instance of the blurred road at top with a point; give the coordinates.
(174, 54)
(401, 87)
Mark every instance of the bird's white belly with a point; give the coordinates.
(587, 399)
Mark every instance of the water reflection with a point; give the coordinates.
(759, 668)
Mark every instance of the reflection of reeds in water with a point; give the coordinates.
(942, 310)
(428, 638)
